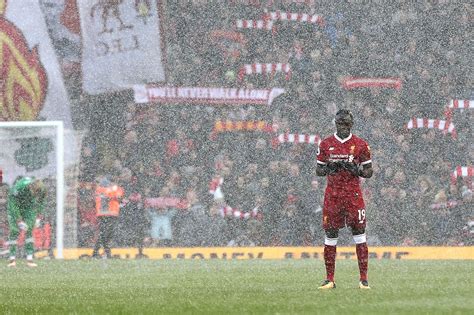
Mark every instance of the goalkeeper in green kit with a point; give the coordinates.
(26, 200)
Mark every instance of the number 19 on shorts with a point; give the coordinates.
(361, 215)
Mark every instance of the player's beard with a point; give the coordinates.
(343, 133)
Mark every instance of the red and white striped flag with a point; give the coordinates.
(448, 204)
(461, 104)
(215, 188)
(215, 183)
(443, 125)
(296, 138)
(228, 211)
(255, 24)
(265, 68)
(457, 104)
(295, 17)
(462, 171)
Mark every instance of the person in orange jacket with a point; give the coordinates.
(108, 196)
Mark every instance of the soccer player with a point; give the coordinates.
(26, 200)
(343, 158)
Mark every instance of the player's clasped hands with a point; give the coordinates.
(351, 167)
(337, 166)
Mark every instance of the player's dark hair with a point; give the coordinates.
(344, 112)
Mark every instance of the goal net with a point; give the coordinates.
(45, 150)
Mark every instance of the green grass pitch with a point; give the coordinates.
(235, 287)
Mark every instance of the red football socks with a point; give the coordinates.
(330, 261)
(363, 259)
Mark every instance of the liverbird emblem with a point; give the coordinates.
(109, 9)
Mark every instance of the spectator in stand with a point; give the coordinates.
(422, 197)
(312, 213)
(161, 231)
(133, 222)
(89, 162)
(178, 149)
(239, 197)
(87, 215)
(290, 221)
(193, 221)
(216, 228)
(442, 223)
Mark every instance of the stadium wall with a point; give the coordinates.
(242, 253)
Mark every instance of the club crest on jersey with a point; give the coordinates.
(352, 149)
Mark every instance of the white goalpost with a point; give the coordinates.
(59, 169)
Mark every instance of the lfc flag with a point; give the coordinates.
(121, 43)
(31, 82)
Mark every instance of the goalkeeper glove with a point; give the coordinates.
(351, 168)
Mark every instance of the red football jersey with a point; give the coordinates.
(351, 149)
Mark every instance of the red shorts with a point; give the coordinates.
(341, 210)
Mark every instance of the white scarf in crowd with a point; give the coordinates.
(445, 126)
(265, 68)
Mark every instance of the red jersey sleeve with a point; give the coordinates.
(322, 156)
(364, 155)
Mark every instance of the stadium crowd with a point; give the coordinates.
(244, 187)
(269, 194)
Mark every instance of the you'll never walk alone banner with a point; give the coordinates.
(121, 44)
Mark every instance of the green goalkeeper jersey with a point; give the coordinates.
(22, 199)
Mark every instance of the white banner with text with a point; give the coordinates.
(205, 95)
(121, 44)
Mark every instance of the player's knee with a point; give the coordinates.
(358, 231)
(331, 237)
(332, 233)
(330, 241)
(359, 238)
